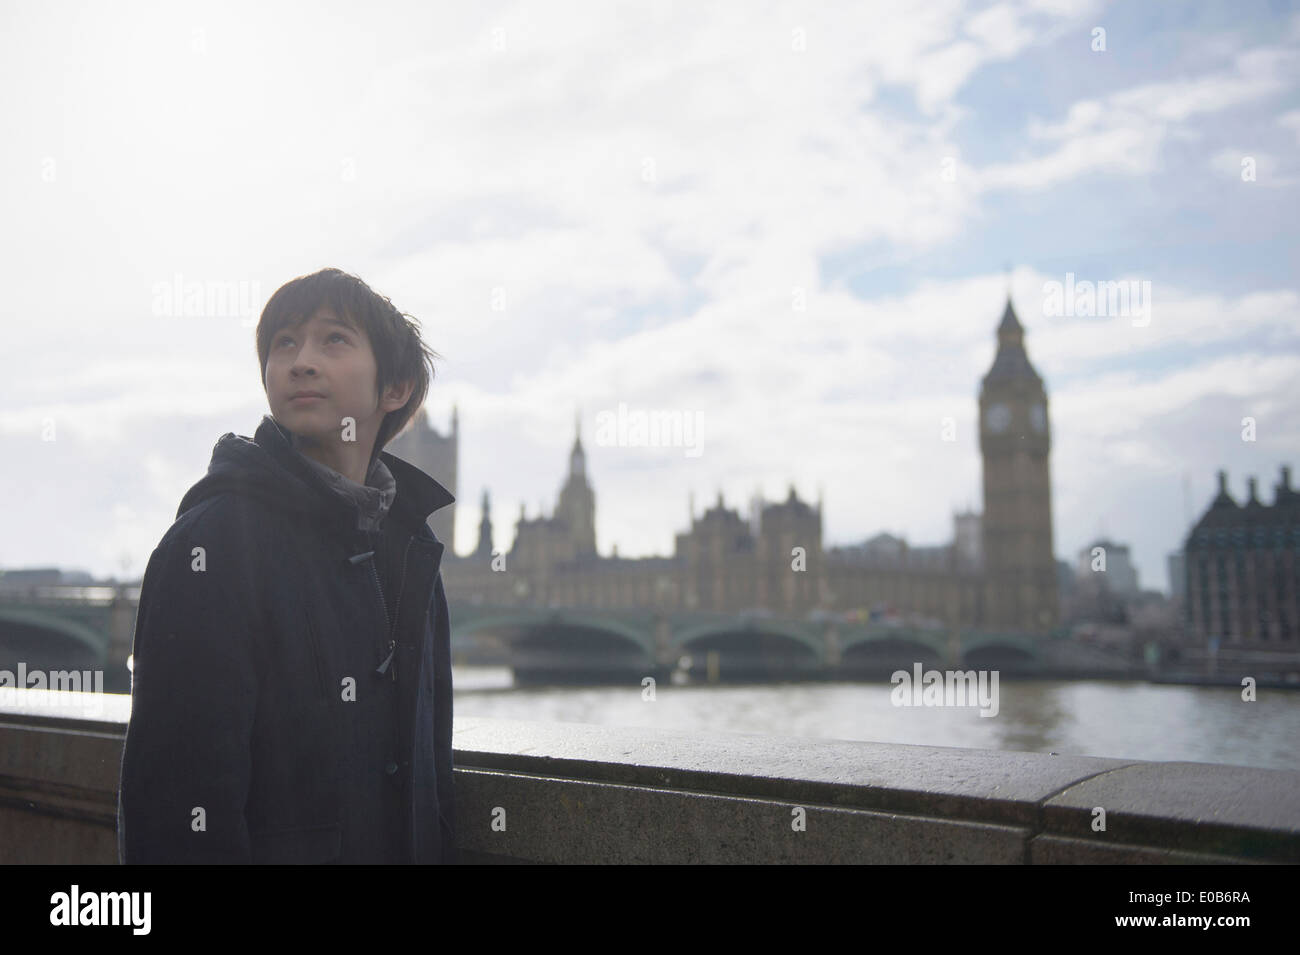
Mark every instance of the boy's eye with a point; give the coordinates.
(285, 338)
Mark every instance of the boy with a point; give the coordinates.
(291, 688)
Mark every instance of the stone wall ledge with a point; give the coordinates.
(571, 792)
(1174, 812)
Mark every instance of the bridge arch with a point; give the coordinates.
(747, 650)
(999, 651)
(560, 646)
(876, 652)
(48, 641)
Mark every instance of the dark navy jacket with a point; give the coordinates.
(291, 687)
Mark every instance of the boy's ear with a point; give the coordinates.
(396, 395)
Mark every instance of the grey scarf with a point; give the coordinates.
(372, 499)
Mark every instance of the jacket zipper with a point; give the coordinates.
(390, 663)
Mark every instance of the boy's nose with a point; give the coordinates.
(304, 364)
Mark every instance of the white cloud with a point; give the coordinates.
(1000, 30)
(1123, 132)
(1131, 150)
(1256, 74)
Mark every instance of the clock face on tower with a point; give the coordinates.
(998, 418)
(1038, 418)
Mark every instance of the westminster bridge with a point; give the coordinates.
(91, 628)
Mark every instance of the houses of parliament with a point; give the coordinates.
(998, 572)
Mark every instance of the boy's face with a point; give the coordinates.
(330, 357)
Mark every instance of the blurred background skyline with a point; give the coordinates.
(793, 220)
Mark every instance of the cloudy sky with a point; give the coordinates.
(791, 221)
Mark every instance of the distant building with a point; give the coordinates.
(968, 539)
(998, 572)
(885, 547)
(1019, 569)
(1177, 575)
(1241, 570)
(436, 455)
(31, 577)
(1119, 577)
(568, 536)
(1065, 580)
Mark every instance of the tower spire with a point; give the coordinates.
(577, 457)
(575, 511)
(484, 549)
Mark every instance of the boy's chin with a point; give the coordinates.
(307, 426)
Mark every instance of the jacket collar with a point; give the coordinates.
(372, 500)
(417, 494)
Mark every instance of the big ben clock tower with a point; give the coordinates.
(1019, 565)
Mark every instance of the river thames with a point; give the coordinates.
(1118, 719)
(1125, 720)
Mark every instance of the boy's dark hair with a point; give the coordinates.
(400, 354)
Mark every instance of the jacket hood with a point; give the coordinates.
(267, 468)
